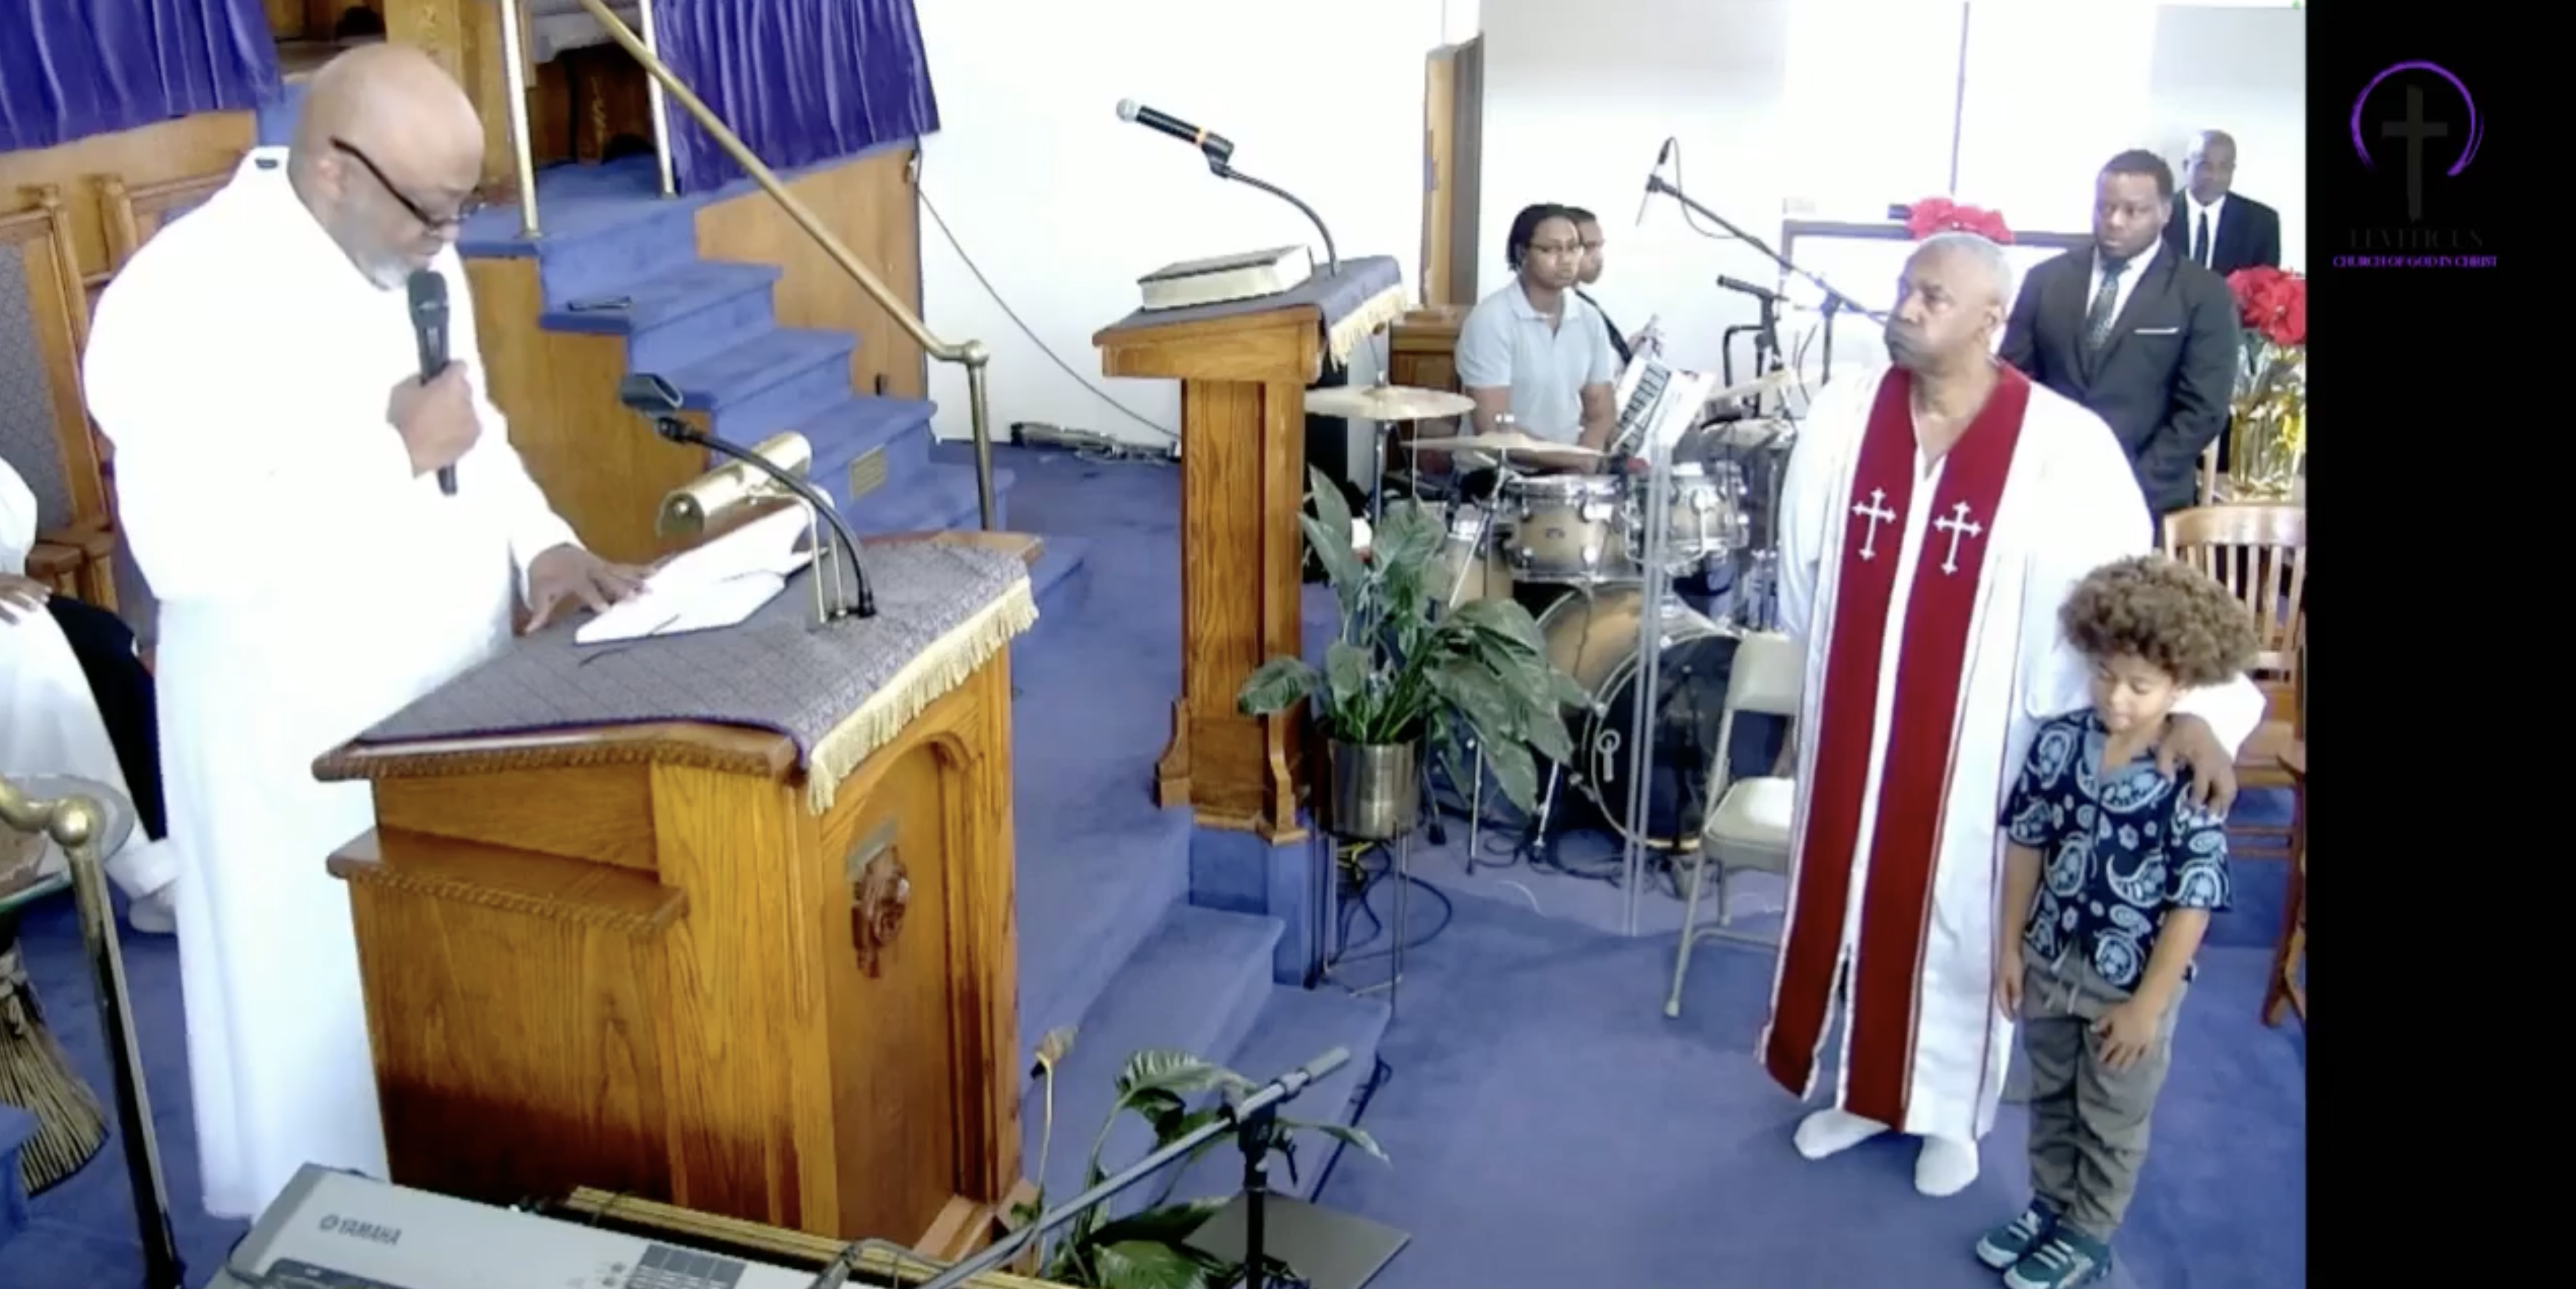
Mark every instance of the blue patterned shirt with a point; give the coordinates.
(2116, 850)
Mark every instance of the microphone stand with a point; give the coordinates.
(862, 601)
(1224, 169)
(1834, 299)
(1250, 1119)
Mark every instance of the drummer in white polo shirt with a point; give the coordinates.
(1536, 352)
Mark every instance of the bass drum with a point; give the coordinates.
(1594, 639)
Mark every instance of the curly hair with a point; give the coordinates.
(2169, 615)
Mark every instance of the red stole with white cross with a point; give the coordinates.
(1904, 853)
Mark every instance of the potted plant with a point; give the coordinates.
(1402, 672)
(1149, 1248)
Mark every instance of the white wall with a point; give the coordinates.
(2243, 70)
(1835, 108)
(1063, 206)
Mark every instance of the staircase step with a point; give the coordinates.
(767, 383)
(1295, 1027)
(1196, 984)
(938, 498)
(845, 431)
(676, 315)
(1061, 579)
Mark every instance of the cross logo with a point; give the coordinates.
(1876, 512)
(1956, 524)
(2414, 130)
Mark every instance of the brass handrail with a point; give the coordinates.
(970, 354)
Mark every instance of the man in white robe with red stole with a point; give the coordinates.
(1934, 518)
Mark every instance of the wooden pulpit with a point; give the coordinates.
(636, 959)
(1243, 484)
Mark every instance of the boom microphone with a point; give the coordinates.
(1663, 158)
(429, 326)
(1217, 147)
(1742, 287)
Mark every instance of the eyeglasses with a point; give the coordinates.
(434, 223)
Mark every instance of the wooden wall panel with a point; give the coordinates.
(869, 204)
(181, 149)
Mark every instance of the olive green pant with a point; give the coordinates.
(2088, 1122)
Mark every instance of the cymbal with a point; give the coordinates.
(1508, 441)
(1757, 388)
(1387, 403)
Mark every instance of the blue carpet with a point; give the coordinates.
(1548, 1125)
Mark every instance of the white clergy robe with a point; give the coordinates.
(49, 721)
(1926, 594)
(310, 585)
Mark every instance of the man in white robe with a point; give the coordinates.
(276, 453)
(1934, 517)
(50, 717)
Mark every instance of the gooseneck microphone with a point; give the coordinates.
(657, 400)
(1219, 149)
(429, 327)
(1663, 158)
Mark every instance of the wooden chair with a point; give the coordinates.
(2286, 991)
(2261, 554)
(44, 423)
(2209, 466)
(131, 215)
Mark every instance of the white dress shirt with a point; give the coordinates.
(2128, 279)
(2195, 212)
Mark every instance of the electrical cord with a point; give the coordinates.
(1688, 218)
(920, 165)
(1359, 908)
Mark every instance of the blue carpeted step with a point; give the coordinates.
(1295, 1027)
(938, 498)
(677, 313)
(1060, 579)
(767, 383)
(1197, 984)
(844, 431)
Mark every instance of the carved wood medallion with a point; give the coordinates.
(880, 892)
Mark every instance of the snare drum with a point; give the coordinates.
(1703, 516)
(1563, 528)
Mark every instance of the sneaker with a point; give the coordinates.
(2005, 1245)
(152, 914)
(2064, 1260)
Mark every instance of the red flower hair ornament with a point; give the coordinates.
(1942, 215)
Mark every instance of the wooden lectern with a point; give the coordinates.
(635, 959)
(1243, 484)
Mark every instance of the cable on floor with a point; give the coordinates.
(1358, 908)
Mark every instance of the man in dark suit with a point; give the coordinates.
(2145, 340)
(2213, 225)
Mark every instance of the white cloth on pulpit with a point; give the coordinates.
(49, 721)
(310, 586)
(1926, 594)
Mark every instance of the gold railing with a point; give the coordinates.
(969, 354)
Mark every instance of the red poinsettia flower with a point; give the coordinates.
(1942, 215)
(2272, 303)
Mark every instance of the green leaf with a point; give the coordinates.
(1346, 682)
(1276, 686)
(1165, 1224)
(1515, 771)
(1352, 1137)
(1342, 566)
(1407, 536)
(1504, 618)
(1325, 496)
(1173, 1071)
(1144, 1264)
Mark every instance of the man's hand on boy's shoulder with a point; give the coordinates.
(2189, 744)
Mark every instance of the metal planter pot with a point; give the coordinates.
(1371, 792)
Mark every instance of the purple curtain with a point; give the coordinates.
(802, 81)
(73, 68)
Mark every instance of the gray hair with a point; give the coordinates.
(1989, 258)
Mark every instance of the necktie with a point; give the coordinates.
(2200, 241)
(2106, 301)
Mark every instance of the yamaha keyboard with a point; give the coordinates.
(333, 1230)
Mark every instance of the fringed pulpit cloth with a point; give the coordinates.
(1368, 293)
(840, 692)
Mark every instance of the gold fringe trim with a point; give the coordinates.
(908, 693)
(1346, 336)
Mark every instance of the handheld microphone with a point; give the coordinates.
(1743, 287)
(1217, 147)
(1663, 158)
(429, 326)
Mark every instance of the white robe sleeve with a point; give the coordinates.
(1809, 496)
(17, 521)
(2099, 517)
(530, 520)
(207, 511)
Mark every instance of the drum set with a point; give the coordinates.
(1615, 553)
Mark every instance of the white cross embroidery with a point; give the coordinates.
(1957, 527)
(1876, 512)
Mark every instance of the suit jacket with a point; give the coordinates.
(2164, 380)
(2248, 234)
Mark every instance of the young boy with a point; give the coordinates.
(2110, 875)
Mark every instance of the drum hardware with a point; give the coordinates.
(1703, 518)
(1599, 640)
(1765, 329)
